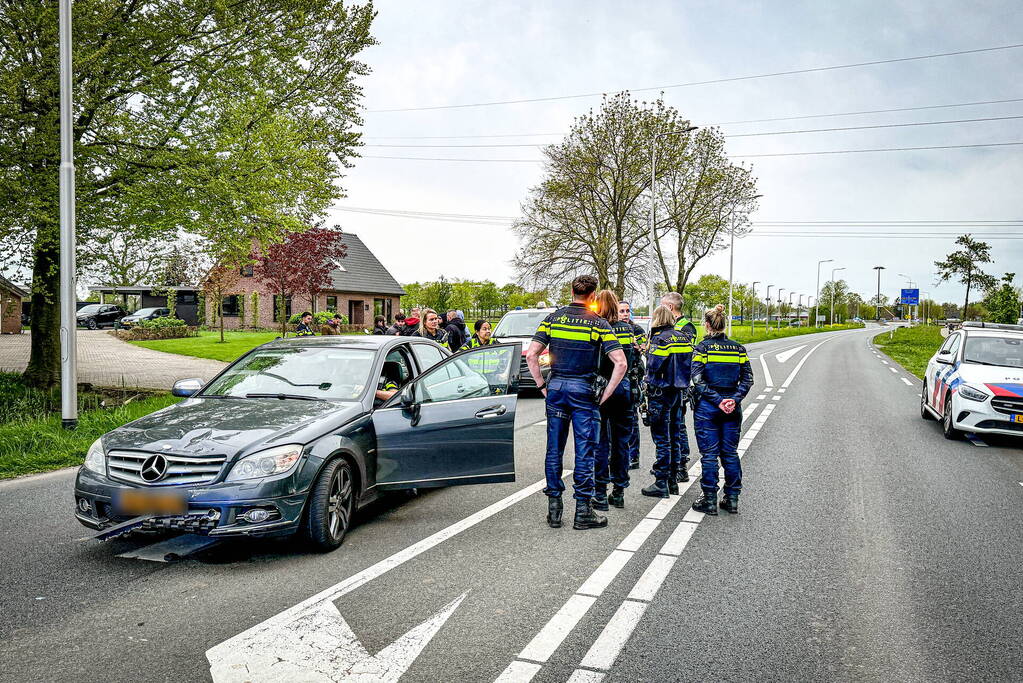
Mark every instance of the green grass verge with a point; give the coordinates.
(741, 333)
(39, 445)
(911, 347)
(208, 344)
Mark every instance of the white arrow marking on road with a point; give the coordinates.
(321, 646)
(785, 355)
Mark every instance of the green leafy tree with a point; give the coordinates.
(463, 295)
(1003, 302)
(964, 264)
(227, 120)
(837, 292)
(708, 290)
(488, 296)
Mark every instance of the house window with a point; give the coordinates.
(277, 308)
(382, 307)
(246, 271)
(230, 306)
(331, 303)
(187, 298)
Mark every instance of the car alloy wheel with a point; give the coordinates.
(924, 412)
(329, 508)
(92, 325)
(947, 428)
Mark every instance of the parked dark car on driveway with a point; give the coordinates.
(143, 314)
(293, 437)
(520, 326)
(95, 316)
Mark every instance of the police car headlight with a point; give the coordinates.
(972, 393)
(545, 359)
(266, 463)
(94, 459)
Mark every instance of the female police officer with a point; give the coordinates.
(667, 377)
(722, 377)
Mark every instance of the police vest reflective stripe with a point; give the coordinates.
(721, 356)
(681, 323)
(672, 348)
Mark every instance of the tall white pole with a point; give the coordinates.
(731, 263)
(68, 277)
(817, 292)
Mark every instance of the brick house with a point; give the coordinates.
(361, 288)
(11, 298)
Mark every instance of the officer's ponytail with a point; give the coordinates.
(715, 318)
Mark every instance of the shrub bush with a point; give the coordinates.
(159, 323)
(140, 333)
(319, 318)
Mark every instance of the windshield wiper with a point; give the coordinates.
(298, 397)
(984, 362)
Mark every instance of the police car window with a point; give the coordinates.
(954, 348)
(428, 355)
(947, 346)
(1001, 351)
(473, 374)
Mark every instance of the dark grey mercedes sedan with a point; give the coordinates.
(298, 434)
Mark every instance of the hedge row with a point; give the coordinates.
(145, 334)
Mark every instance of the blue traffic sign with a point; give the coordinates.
(910, 297)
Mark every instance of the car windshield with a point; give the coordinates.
(520, 324)
(91, 308)
(145, 311)
(330, 373)
(1003, 351)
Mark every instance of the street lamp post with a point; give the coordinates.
(777, 325)
(831, 319)
(792, 294)
(753, 306)
(799, 309)
(767, 316)
(653, 211)
(877, 309)
(817, 292)
(68, 323)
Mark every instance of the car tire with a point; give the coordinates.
(92, 324)
(950, 432)
(924, 412)
(329, 510)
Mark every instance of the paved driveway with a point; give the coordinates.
(105, 360)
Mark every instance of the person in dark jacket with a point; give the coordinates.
(411, 323)
(429, 327)
(680, 445)
(332, 326)
(380, 325)
(722, 376)
(668, 362)
(305, 326)
(399, 323)
(482, 336)
(456, 331)
(636, 372)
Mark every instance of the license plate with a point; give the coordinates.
(139, 502)
(1017, 418)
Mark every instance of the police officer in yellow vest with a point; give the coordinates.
(680, 438)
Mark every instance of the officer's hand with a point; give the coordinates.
(727, 405)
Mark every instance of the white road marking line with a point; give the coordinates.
(885, 362)
(584, 676)
(612, 639)
(908, 383)
(519, 672)
(761, 397)
(554, 631)
(605, 573)
(785, 355)
(661, 510)
(638, 535)
(539, 422)
(679, 538)
(799, 365)
(656, 572)
(254, 643)
(693, 516)
(767, 373)
(781, 391)
(894, 370)
(776, 397)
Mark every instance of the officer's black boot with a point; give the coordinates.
(659, 489)
(673, 483)
(599, 500)
(617, 497)
(585, 518)
(554, 509)
(707, 503)
(683, 471)
(730, 503)
(634, 464)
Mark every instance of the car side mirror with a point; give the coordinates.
(944, 361)
(187, 387)
(408, 396)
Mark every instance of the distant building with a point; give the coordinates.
(11, 298)
(153, 296)
(361, 288)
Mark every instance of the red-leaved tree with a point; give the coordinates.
(301, 264)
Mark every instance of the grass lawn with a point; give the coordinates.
(911, 347)
(741, 333)
(208, 344)
(38, 445)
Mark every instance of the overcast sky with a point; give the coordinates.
(443, 53)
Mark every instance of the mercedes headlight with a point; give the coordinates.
(95, 459)
(971, 393)
(266, 463)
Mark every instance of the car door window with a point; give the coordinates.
(397, 367)
(946, 348)
(484, 371)
(954, 348)
(428, 355)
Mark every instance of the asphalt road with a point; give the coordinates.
(868, 548)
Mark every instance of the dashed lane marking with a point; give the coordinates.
(894, 370)
(761, 397)
(908, 383)
(776, 397)
(767, 372)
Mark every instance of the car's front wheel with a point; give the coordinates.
(947, 428)
(924, 412)
(92, 324)
(329, 511)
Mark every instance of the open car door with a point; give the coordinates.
(452, 425)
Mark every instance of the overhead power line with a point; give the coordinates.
(751, 135)
(773, 74)
(721, 123)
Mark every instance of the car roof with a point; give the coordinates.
(366, 341)
(991, 332)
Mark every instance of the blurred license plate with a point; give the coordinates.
(139, 502)
(1017, 418)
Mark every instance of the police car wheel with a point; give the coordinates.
(924, 412)
(950, 432)
(329, 510)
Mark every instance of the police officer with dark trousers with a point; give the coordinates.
(616, 415)
(577, 339)
(635, 377)
(680, 444)
(722, 377)
(668, 362)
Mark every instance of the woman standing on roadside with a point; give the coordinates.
(429, 327)
(722, 376)
(482, 336)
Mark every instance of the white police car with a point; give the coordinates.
(974, 383)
